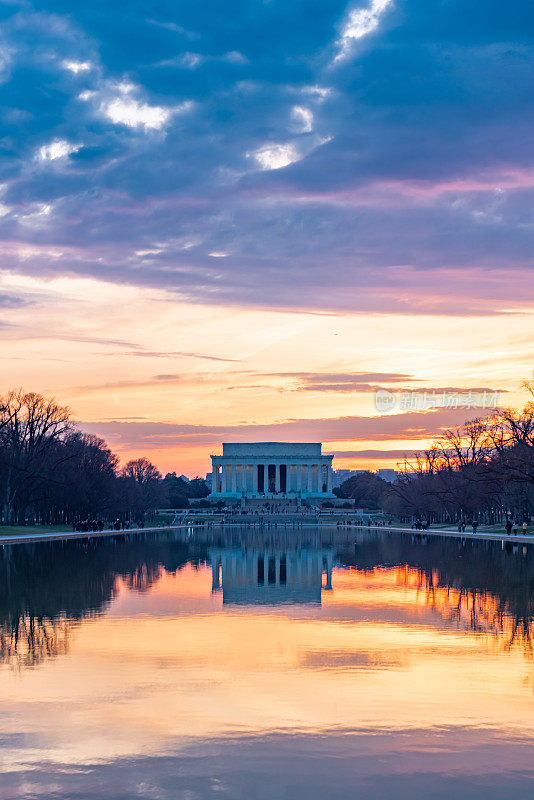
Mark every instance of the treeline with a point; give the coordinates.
(51, 472)
(483, 470)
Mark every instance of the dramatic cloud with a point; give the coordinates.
(370, 156)
(332, 199)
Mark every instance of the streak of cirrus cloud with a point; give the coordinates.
(387, 140)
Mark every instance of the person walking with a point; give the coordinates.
(516, 527)
(524, 528)
(508, 527)
(475, 525)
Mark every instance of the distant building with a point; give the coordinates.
(271, 470)
(185, 478)
(342, 475)
(388, 475)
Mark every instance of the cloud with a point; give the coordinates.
(371, 382)
(191, 60)
(360, 22)
(344, 382)
(133, 348)
(275, 156)
(373, 454)
(303, 119)
(120, 104)
(129, 111)
(11, 301)
(399, 183)
(164, 435)
(58, 149)
(77, 66)
(138, 352)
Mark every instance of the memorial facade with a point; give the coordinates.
(271, 470)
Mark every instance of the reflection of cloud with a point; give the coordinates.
(348, 659)
(405, 761)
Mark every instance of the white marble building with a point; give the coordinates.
(271, 470)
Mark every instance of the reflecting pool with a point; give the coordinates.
(284, 664)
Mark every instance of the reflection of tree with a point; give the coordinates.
(481, 586)
(28, 640)
(143, 577)
(47, 588)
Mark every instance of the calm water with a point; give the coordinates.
(278, 665)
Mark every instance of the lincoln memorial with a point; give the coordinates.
(273, 470)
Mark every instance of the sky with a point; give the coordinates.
(237, 221)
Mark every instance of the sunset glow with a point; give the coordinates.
(201, 223)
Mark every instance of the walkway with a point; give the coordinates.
(54, 536)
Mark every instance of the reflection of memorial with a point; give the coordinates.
(271, 576)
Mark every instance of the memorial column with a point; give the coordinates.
(255, 478)
(234, 478)
(214, 468)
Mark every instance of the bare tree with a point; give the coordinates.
(143, 486)
(30, 428)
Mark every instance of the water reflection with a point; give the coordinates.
(46, 589)
(486, 587)
(254, 576)
(243, 664)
